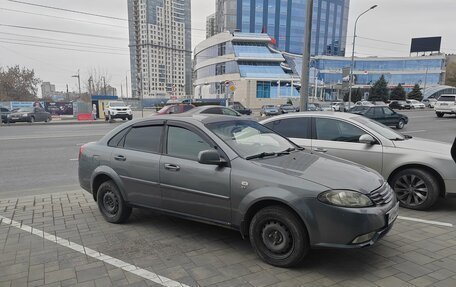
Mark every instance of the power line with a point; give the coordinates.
(62, 32)
(63, 18)
(60, 48)
(63, 41)
(69, 10)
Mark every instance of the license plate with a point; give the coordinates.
(444, 104)
(393, 213)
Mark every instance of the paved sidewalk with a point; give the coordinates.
(183, 252)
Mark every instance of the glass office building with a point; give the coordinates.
(284, 21)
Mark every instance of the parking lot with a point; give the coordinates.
(52, 233)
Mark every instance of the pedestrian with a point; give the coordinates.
(94, 112)
(453, 150)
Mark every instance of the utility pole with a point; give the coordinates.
(104, 85)
(126, 85)
(306, 58)
(79, 82)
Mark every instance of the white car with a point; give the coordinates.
(415, 104)
(117, 110)
(446, 104)
(419, 170)
(429, 102)
(364, 103)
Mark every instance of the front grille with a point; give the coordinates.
(382, 195)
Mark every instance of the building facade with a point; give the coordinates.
(160, 48)
(210, 26)
(262, 74)
(47, 89)
(284, 21)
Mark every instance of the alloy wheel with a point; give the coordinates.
(411, 190)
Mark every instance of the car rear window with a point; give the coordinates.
(447, 98)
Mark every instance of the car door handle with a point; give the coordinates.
(319, 149)
(120, 158)
(172, 167)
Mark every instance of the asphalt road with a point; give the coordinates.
(43, 159)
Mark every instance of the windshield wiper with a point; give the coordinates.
(407, 137)
(260, 155)
(398, 139)
(287, 151)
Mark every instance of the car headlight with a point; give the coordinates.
(345, 198)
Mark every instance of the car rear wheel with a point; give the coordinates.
(415, 188)
(278, 236)
(111, 203)
(400, 125)
(440, 115)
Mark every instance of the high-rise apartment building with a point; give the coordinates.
(210, 26)
(284, 21)
(47, 89)
(160, 47)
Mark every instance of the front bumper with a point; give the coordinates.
(18, 119)
(337, 227)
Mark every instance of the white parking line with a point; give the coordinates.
(74, 159)
(163, 281)
(412, 132)
(426, 221)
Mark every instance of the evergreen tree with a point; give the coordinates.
(379, 91)
(416, 93)
(398, 93)
(357, 96)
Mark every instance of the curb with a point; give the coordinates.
(63, 122)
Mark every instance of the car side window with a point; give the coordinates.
(292, 128)
(187, 108)
(378, 111)
(335, 130)
(117, 140)
(146, 139)
(213, 111)
(184, 143)
(370, 112)
(388, 112)
(228, 112)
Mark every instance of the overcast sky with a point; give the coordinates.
(390, 28)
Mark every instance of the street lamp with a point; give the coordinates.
(353, 56)
(79, 82)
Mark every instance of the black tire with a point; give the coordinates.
(439, 115)
(400, 125)
(415, 188)
(48, 120)
(130, 117)
(111, 203)
(277, 227)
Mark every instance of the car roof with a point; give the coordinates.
(193, 118)
(313, 114)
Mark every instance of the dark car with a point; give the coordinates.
(238, 174)
(30, 115)
(175, 109)
(238, 107)
(400, 105)
(384, 115)
(285, 109)
(4, 112)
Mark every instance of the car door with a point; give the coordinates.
(340, 138)
(135, 157)
(188, 187)
(391, 117)
(297, 129)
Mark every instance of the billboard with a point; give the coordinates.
(430, 44)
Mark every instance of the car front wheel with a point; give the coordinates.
(111, 203)
(278, 236)
(415, 188)
(400, 125)
(440, 115)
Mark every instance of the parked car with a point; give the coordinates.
(269, 110)
(358, 109)
(313, 107)
(117, 110)
(175, 109)
(29, 114)
(238, 107)
(429, 102)
(4, 112)
(213, 110)
(284, 109)
(420, 171)
(384, 115)
(238, 174)
(364, 103)
(416, 104)
(338, 107)
(400, 105)
(326, 107)
(446, 104)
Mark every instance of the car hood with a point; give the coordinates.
(332, 172)
(19, 113)
(425, 145)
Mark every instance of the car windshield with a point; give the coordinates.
(380, 128)
(249, 138)
(24, 110)
(117, 104)
(269, 107)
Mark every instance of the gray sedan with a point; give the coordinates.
(238, 174)
(419, 170)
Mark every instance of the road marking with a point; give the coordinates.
(74, 159)
(161, 280)
(412, 132)
(426, 221)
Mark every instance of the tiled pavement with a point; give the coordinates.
(413, 254)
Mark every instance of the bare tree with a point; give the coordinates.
(96, 82)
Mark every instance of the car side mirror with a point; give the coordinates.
(210, 157)
(367, 139)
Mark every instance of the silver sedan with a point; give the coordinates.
(419, 170)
